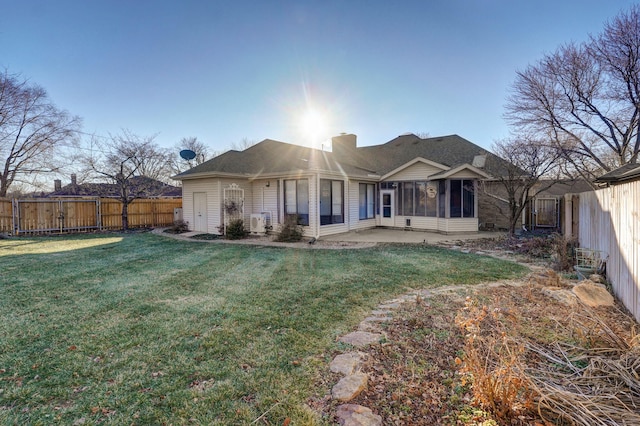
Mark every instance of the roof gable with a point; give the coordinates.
(411, 163)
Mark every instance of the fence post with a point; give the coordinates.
(99, 213)
(14, 212)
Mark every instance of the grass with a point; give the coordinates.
(144, 329)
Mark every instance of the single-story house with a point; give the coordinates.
(140, 186)
(409, 182)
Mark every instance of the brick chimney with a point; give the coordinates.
(344, 145)
(73, 179)
(57, 185)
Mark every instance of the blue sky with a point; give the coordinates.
(225, 71)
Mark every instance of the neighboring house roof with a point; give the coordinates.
(270, 158)
(561, 187)
(140, 185)
(624, 173)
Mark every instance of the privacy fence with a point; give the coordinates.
(608, 220)
(82, 214)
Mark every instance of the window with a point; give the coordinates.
(468, 198)
(432, 198)
(331, 201)
(366, 204)
(296, 199)
(442, 196)
(407, 198)
(462, 201)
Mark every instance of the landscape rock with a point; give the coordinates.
(361, 339)
(349, 387)
(357, 415)
(562, 295)
(592, 294)
(346, 364)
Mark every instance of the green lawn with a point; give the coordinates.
(143, 329)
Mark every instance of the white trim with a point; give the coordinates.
(450, 172)
(411, 163)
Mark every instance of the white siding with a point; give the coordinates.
(417, 171)
(248, 199)
(421, 223)
(464, 174)
(458, 225)
(265, 198)
(211, 188)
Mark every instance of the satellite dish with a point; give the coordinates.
(187, 154)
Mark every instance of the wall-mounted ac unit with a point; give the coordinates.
(258, 223)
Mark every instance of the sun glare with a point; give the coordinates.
(312, 125)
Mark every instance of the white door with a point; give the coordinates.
(387, 208)
(200, 211)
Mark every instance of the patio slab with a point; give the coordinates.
(384, 235)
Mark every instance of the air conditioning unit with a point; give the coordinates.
(258, 224)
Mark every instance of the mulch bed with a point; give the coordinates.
(417, 376)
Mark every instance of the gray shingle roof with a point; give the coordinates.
(140, 185)
(272, 157)
(624, 173)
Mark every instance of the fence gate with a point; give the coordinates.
(55, 215)
(546, 212)
(233, 204)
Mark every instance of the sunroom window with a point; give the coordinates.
(296, 199)
(331, 201)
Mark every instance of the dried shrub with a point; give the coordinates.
(564, 252)
(492, 363)
(289, 231)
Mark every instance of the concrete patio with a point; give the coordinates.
(385, 235)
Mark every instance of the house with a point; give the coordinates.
(408, 183)
(141, 186)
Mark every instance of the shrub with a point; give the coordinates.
(178, 227)
(236, 230)
(565, 251)
(290, 231)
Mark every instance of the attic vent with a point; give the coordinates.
(479, 160)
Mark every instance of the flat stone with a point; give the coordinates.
(346, 364)
(349, 387)
(380, 312)
(357, 415)
(592, 294)
(377, 319)
(371, 327)
(389, 305)
(361, 339)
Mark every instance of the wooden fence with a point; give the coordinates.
(609, 221)
(81, 214)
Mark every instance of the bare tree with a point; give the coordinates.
(31, 129)
(193, 144)
(529, 161)
(585, 99)
(243, 144)
(131, 162)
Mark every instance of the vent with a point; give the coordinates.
(479, 161)
(258, 224)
